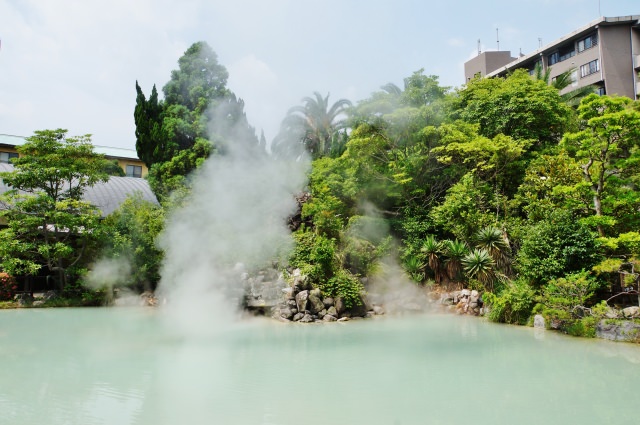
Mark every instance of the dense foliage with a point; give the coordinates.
(502, 185)
(198, 115)
(48, 222)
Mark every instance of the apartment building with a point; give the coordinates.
(604, 53)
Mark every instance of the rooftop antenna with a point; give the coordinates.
(497, 39)
(479, 50)
(539, 42)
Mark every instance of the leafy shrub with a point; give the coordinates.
(555, 247)
(569, 294)
(8, 287)
(513, 305)
(565, 302)
(585, 327)
(414, 266)
(133, 230)
(315, 256)
(344, 285)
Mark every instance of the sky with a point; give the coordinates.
(73, 64)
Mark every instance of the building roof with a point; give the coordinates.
(578, 32)
(11, 140)
(107, 196)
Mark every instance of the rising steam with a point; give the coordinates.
(233, 221)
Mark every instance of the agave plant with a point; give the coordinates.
(455, 252)
(479, 265)
(432, 249)
(494, 242)
(414, 267)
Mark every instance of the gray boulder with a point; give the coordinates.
(301, 300)
(538, 322)
(328, 302)
(359, 310)
(286, 313)
(329, 318)
(298, 316)
(618, 331)
(612, 313)
(378, 310)
(315, 304)
(631, 312)
(307, 318)
(331, 311)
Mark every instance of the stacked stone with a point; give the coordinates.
(305, 304)
(463, 302)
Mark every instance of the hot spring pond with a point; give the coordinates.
(130, 366)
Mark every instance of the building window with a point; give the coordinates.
(134, 171)
(590, 68)
(537, 63)
(588, 42)
(562, 54)
(566, 52)
(6, 157)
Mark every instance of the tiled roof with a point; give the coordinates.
(106, 196)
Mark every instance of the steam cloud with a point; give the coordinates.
(234, 220)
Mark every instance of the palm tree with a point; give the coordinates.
(431, 248)
(455, 252)
(495, 243)
(479, 265)
(316, 124)
(392, 89)
(562, 81)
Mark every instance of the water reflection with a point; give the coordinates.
(124, 366)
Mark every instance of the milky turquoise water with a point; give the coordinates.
(129, 366)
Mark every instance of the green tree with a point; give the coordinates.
(197, 110)
(496, 160)
(316, 124)
(152, 145)
(553, 182)
(556, 246)
(517, 106)
(606, 148)
(198, 80)
(420, 90)
(468, 206)
(561, 82)
(133, 230)
(48, 222)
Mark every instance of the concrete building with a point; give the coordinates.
(127, 158)
(604, 53)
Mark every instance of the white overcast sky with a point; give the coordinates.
(73, 63)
